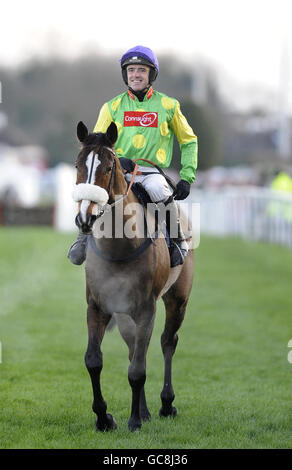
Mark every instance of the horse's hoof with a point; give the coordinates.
(171, 411)
(107, 425)
(134, 425)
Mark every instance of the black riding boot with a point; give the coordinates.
(178, 246)
(77, 251)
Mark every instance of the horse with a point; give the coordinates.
(125, 277)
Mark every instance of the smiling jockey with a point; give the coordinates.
(147, 121)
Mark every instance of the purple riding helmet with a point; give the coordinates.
(140, 55)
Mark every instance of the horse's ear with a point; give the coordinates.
(82, 131)
(112, 133)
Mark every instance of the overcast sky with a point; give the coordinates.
(243, 39)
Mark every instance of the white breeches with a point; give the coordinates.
(155, 184)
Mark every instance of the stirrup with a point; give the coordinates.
(177, 254)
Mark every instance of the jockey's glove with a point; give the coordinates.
(182, 190)
(127, 164)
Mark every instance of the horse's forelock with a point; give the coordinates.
(96, 138)
(93, 142)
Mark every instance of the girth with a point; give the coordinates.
(125, 259)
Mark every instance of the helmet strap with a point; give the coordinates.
(152, 75)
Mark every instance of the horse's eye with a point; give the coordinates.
(109, 168)
(76, 166)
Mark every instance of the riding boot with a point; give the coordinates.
(77, 251)
(178, 246)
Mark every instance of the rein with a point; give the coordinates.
(134, 173)
(168, 179)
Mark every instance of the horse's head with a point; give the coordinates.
(96, 167)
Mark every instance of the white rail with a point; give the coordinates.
(251, 212)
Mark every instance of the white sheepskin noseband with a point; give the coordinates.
(90, 192)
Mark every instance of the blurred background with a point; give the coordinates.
(228, 63)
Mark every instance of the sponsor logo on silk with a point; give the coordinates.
(140, 119)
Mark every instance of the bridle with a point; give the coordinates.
(113, 171)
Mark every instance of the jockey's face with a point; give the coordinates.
(138, 76)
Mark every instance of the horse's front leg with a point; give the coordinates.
(137, 367)
(127, 329)
(97, 322)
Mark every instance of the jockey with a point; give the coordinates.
(147, 121)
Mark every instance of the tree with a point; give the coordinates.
(206, 126)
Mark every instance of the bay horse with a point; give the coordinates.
(125, 276)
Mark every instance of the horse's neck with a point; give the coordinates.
(126, 228)
(129, 212)
(133, 218)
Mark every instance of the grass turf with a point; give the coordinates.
(231, 375)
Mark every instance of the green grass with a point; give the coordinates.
(231, 375)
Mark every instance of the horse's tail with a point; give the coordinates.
(111, 324)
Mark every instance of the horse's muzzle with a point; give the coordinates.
(86, 226)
